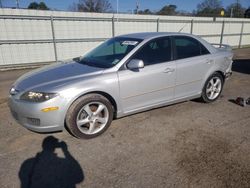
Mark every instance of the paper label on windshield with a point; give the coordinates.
(115, 61)
(133, 43)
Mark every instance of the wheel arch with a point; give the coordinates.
(221, 73)
(204, 97)
(104, 94)
(211, 73)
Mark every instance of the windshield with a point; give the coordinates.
(111, 52)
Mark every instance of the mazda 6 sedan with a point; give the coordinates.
(124, 75)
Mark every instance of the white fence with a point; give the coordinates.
(31, 36)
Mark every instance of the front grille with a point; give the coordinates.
(33, 121)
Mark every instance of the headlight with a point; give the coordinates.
(37, 96)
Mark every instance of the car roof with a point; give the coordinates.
(151, 35)
(148, 35)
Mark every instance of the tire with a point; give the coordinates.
(89, 116)
(211, 92)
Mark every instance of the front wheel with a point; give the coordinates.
(212, 88)
(89, 116)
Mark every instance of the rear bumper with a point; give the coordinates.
(30, 116)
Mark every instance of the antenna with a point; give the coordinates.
(17, 3)
(237, 8)
(117, 6)
(137, 7)
(182, 28)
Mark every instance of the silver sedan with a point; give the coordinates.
(124, 75)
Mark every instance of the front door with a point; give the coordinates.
(154, 84)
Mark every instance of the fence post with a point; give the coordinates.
(222, 32)
(113, 26)
(191, 27)
(241, 33)
(53, 36)
(158, 24)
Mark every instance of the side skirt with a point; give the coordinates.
(157, 105)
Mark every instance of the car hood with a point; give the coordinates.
(58, 73)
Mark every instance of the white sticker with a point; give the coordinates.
(133, 43)
(115, 61)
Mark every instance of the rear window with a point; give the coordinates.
(186, 47)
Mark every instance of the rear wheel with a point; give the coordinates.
(89, 116)
(212, 88)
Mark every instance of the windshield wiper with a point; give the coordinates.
(85, 62)
(93, 63)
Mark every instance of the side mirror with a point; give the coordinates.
(135, 64)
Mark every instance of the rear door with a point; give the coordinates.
(153, 84)
(192, 63)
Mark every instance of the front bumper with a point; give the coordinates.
(30, 116)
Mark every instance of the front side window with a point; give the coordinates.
(186, 47)
(155, 51)
(111, 52)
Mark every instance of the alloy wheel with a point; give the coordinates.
(213, 88)
(92, 118)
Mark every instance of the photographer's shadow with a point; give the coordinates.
(48, 170)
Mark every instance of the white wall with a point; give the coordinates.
(23, 29)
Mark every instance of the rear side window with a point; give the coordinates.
(204, 50)
(186, 47)
(155, 51)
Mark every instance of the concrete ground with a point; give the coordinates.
(190, 144)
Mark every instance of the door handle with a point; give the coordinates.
(209, 61)
(169, 70)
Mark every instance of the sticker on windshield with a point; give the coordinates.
(133, 43)
(115, 61)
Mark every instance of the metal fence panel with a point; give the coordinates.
(246, 40)
(124, 27)
(212, 28)
(175, 27)
(82, 29)
(26, 53)
(31, 36)
(74, 49)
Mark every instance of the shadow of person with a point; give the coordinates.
(47, 170)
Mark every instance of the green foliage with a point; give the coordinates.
(92, 6)
(38, 6)
(247, 13)
(209, 8)
(168, 10)
(237, 10)
(146, 11)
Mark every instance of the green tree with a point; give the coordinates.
(247, 13)
(209, 8)
(92, 6)
(236, 9)
(38, 6)
(146, 11)
(168, 10)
